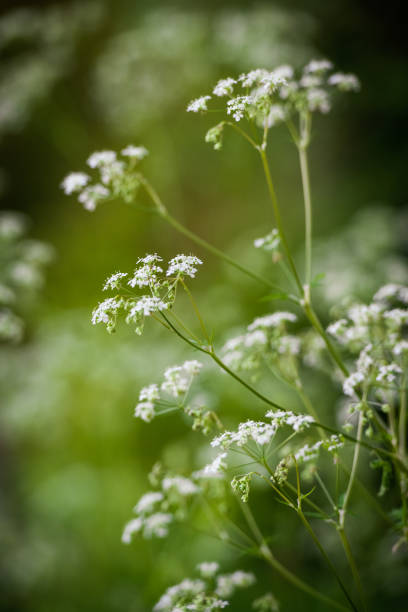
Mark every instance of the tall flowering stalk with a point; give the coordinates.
(367, 348)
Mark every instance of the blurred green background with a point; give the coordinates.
(79, 77)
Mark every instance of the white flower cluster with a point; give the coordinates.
(256, 431)
(265, 339)
(310, 453)
(155, 510)
(177, 382)
(22, 265)
(270, 242)
(147, 274)
(298, 422)
(271, 97)
(183, 265)
(116, 177)
(377, 334)
(200, 595)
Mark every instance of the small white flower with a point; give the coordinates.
(352, 382)
(345, 82)
(216, 466)
(401, 347)
(183, 485)
(270, 242)
(105, 310)
(208, 569)
(147, 305)
(133, 526)
(148, 501)
(183, 265)
(238, 106)
(156, 525)
(113, 282)
(92, 195)
(138, 153)
(149, 393)
(272, 320)
(145, 276)
(224, 87)
(388, 373)
(318, 66)
(145, 411)
(199, 104)
(318, 100)
(101, 158)
(74, 182)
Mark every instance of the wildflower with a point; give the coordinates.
(388, 373)
(227, 583)
(199, 104)
(400, 348)
(101, 158)
(106, 311)
(138, 153)
(147, 305)
(183, 265)
(145, 276)
(145, 411)
(392, 290)
(318, 100)
(298, 422)
(74, 182)
(270, 242)
(238, 106)
(113, 282)
(12, 225)
(352, 382)
(149, 393)
(133, 526)
(224, 87)
(276, 115)
(92, 195)
(184, 486)
(308, 453)
(156, 525)
(273, 320)
(177, 379)
(216, 466)
(257, 431)
(318, 66)
(344, 82)
(148, 501)
(208, 569)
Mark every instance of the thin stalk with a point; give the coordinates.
(402, 429)
(197, 311)
(353, 566)
(278, 219)
(218, 253)
(343, 510)
(304, 169)
(281, 569)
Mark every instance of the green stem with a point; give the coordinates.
(343, 510)
(304, 169)
(278, 219)
(217, 252)
(353, 566)
(281, 569)
(326, 558)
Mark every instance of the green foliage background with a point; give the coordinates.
(102, 75)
